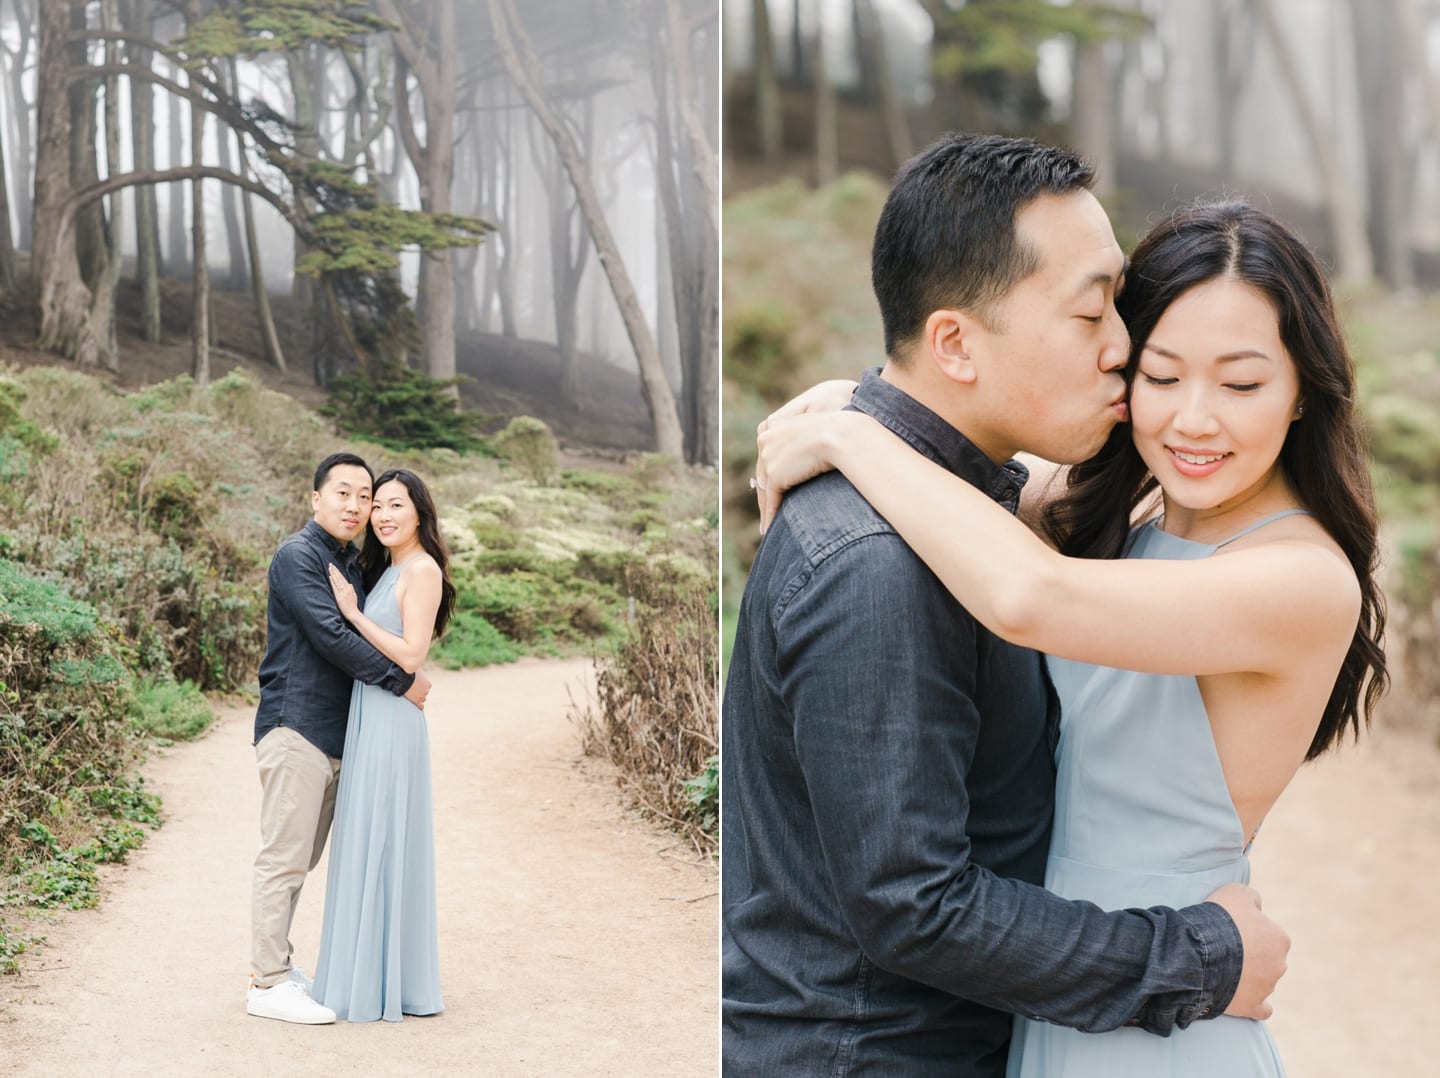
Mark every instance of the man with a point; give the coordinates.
(312, 660)
(888, 777)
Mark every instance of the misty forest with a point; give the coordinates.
(477, 239)
(512, 193)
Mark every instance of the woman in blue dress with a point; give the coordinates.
(1203, 588)
(378, 947)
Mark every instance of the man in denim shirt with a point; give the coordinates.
(888, 775)
(312, 660)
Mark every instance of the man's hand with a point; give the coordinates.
(419, 690)
(1266, 945)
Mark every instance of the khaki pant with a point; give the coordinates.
(297, 802)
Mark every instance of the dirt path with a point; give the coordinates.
(1349, 862)
(574, 939)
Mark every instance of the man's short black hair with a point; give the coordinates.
(946, 237)
(322, 473)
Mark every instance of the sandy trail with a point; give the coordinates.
(1349, 863)
(574, 938)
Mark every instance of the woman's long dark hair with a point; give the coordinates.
(375, 556)
(1324, 454)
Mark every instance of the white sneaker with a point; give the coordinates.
(303, 979)
(287, 1002)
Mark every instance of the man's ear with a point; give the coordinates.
(948, 335)
(314, 501)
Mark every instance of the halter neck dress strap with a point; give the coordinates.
(1261, 523)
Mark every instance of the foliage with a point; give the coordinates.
(260, 26)
(353, 236)
(527, 444)
(704, 794)
(12, 947)
(471, 641)
(402, 408)
(986, 55)
(171, 710)
(656, 713)
(67, 800)
(367, 235)
(1004, 35)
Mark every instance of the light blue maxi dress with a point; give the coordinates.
(379, 955)
(1142, 818)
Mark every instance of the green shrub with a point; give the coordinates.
(176, 711)
(617, 491)
(69, 800)
(540, 608)
(703, 793)
(470, 640)
(402, 408)
(528, 446)
(759, 348)
(12, 947)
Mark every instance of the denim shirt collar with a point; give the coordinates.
(344, 552)
(931, 436)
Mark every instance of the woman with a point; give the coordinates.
(1201, 656)
(378, 951)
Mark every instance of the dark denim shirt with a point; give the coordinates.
(888, 789)
(312, 655)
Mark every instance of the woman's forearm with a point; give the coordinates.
(395, 648)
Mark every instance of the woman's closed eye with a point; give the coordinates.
(1154, 380)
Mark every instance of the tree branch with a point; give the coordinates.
(77, 200)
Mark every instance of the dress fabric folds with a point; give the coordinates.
(1143, 817)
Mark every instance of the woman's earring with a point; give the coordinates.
(1299, 411)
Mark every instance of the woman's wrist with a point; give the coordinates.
(847, 436)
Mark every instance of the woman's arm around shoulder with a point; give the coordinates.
(1252, 609)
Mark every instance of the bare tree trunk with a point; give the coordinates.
(302, 288)
(115, 227)
(1414, 34)
(274, 354)
(431, 57)
(520, 62)
(827, 127)
(768, 116)
(133, 17)
(64, 303)
(1378, 44)
(1092, 111)
(175, 253)
(234, 242)
(490, 192)
(8, 275)
(1234, 38)
(21, 139)
(892, 110)
(704, 163)
(200, 317)
(1353, 257)
(84, 159)
(691, 229)
(508, 211)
